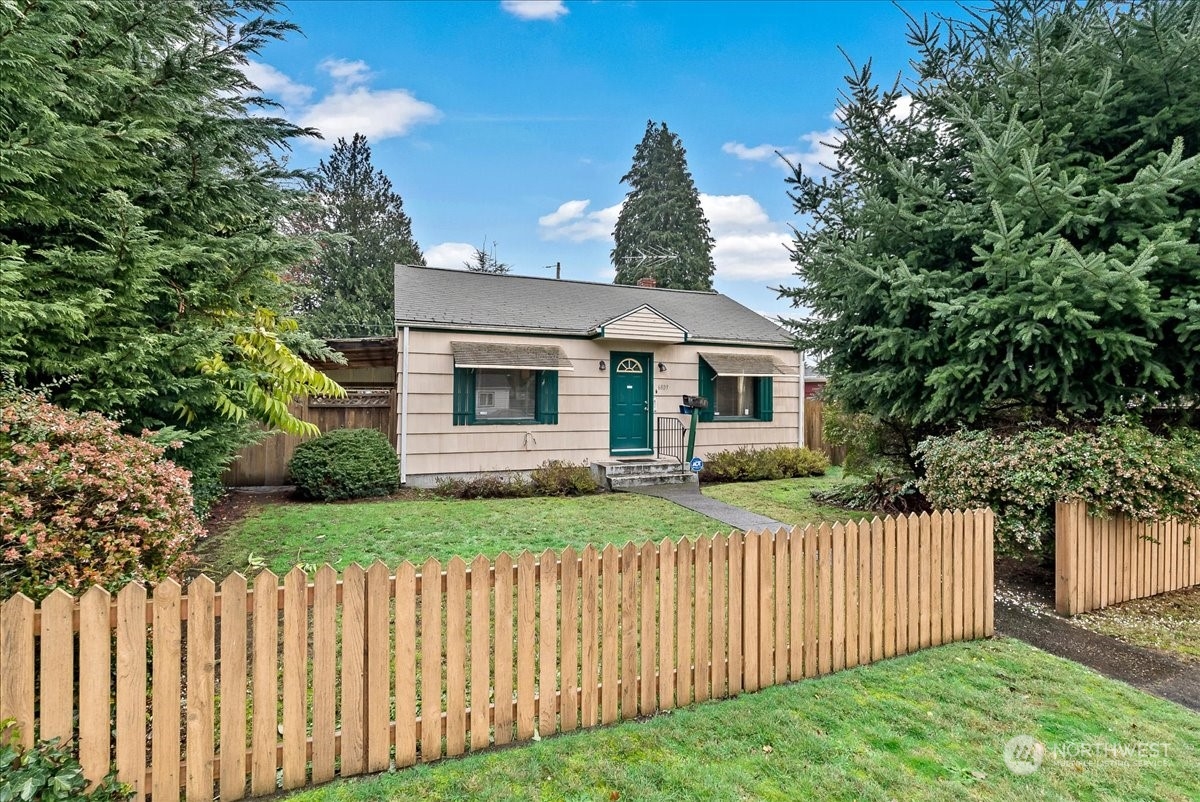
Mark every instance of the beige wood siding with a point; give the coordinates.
(645, 325)
(436, 447)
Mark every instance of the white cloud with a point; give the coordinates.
(748, 243)
(274, 83)
(571, 221)
(376, 113)
(819, 151)
(350, 107)
(729, 214)
(449, 254)
(565, 213)
(820, 147)
(535, 9)
(344, 72)
(761, 153)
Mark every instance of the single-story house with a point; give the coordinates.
(499, 373)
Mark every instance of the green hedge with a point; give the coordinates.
(747, 464)
(345, 464)
(1118, 466)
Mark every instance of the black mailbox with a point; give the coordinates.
(695, 401)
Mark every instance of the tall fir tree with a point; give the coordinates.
(1026, 239)
(661, 231)
(140, 260)
(364, 233)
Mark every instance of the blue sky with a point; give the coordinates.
(512, 122)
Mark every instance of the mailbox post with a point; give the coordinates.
(693, 404)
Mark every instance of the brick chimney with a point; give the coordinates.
(647, 281)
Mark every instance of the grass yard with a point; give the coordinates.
(786, 500)
(1170, 622)
(930, 726)
(281, 534)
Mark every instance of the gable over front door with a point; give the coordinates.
(630, 401)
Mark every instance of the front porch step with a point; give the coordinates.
(617, 483)
(630, 473)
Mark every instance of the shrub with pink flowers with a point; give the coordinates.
(83, 504)
(1115, 466)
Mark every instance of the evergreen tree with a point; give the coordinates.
(483, 262)
(139, 254)
(350, 281)
(661, 231)
(1028, 238)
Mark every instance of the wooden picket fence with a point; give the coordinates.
(1105, 560)
(247, 688)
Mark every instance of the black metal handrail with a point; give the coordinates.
(670, 438)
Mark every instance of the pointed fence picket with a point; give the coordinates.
(199, 693)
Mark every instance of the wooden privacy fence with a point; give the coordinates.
(247, 688)
(1102, 561)
(265, 463)
(814, 431)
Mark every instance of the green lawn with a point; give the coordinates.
(283, 534)
(930, 726)
(786, 500)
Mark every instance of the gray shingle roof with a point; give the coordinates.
(458, 299)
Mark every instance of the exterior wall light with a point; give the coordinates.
(602, 366)
(662, 367)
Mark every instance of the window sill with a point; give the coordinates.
(734, 419)
(507, 422)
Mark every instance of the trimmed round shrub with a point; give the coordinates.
(83, 504)
(345, 464)
(747, 464)
(1116, 466)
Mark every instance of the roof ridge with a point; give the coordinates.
(557, 280)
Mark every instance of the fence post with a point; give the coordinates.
(1065, 568)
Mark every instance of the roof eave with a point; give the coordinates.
(450, 326)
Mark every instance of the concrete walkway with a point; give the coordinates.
(688, 495)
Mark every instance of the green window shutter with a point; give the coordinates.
(766, 398)
(464, 396)
(707, 389)
(547, 397)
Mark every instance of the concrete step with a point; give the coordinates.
(639, 468)
(676, 477)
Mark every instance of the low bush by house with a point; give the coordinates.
(82, 504)
(486, 486)
(551, 478)
(345, 464)
(561, 478)
(1117, 465)
(747, 464)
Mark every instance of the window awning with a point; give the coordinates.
(742, 364)
(504, 356)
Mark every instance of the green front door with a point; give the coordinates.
(629, 404)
